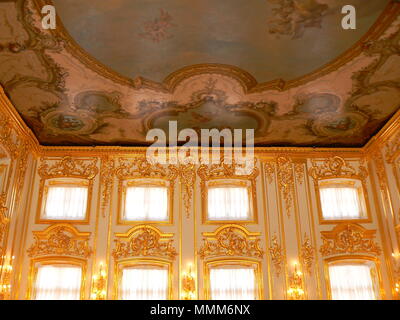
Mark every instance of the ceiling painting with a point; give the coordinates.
(258, 66)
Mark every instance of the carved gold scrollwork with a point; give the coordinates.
(3, 217)
(286, 181)
(277, 255)
(231, 240)
(349, 238)
(223, 170)
(6, 138)
(146, 241)
(393, 148)
(68, 167)
(139, 167)
(60, 239)
(106, 180)
(307, 254)
(269, 168)
(336, 167)
(187, 177)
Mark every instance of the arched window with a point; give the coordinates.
(229, 201)
(353, 279)
(57, 279)
(233, 280)
(65, 199)
(144, 280)
(342, 199)
(145, 200)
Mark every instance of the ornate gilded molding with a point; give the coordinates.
(223, 170)
(144, 240)
(6, 136)
(269, 169)
(277, 255)
(187, 178)
(139, 167)
(4, 220)
(349, 238)
(307, 254)
(299, 172)
(60, 239)
(231, 240)
(107, 169)
(68, 167)
(393, 148)
(336, 167)
(286, 181)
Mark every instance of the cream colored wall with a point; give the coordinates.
(290, 214)
(288, 227)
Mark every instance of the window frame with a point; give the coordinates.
(131, 263)
(144, 182)
(362, 194)
(65, 181)
(246, 263)
(374, 264)
(226, 183)
(54, 261)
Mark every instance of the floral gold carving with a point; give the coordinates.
(349, 238)
(231, 240)
(6, 137)
(106, 181)
(269, 168)
(393, 148)
(68, 167)
(277, 255)
(286, 181)
(307, 254)
(187, 176)
(336, 167)
(144, 240)
(3, 217)
(60, 239)
(299, 172)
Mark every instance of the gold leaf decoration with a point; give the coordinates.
(187, 176)
(393, 148)
(224, 170)
(68, 167)
(269, 169)
(286, 181)
(106, 181)
(349, 238)
(336, 167)
(144, 240)
(299, 172)
(277, 255)
(139, 167)
(6, 137)
(3, 217)
(307, 254)
(60, 239)
(231, 240)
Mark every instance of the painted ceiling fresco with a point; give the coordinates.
(114, 69)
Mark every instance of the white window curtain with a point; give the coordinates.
(351, 282)
(144, 284)
(66, 203)
(340, 203)
(58, 283)
(146, 203)
(233, 284)
(230, 203)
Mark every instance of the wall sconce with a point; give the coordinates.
(99, 291)
(5, 280)
(188, 285)
(295, 291)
